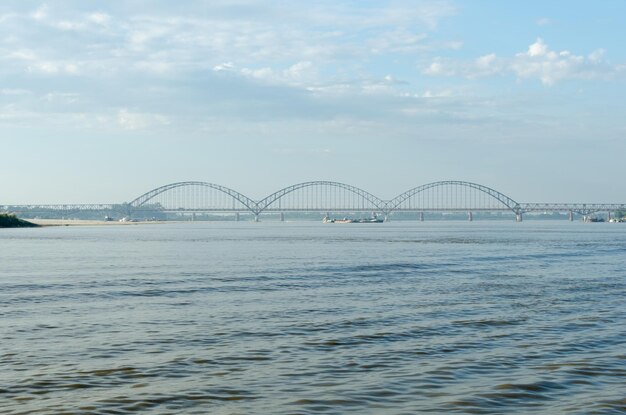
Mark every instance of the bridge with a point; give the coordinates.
(195, 197)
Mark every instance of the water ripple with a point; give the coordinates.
(401, 319)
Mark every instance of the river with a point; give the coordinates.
(483, 317)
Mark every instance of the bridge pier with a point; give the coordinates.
(237, 217)
(282, 217)
(608, 216)
(421, 216)
(518, 217)
(571, 216)
(470, 217)
(193, 217)
(256, 217)
(386, 218)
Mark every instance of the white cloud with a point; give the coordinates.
(54, 68)
(595, 56)
(399, 40)
(446, 93)
(139, 121)
(45, 67)
(99, 18)
(332, 61)
(543, 21)
(406, 41)
(226, 66)
(15, 91)
(300, 74)
(40, 13)
(328, 34)
(36, 64)
(486, 61)
(537, 62)
(539, 48)
(75, 23)
(550, 66)
(69, 25)
(22, 54)
(62, 97)
(439, 67)
(266, 73)
(154, 66)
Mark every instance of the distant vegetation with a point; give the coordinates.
(11, 221)
(620, 214)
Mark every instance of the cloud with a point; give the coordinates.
(300, 74)
(64, 97)
(40, 13)
(140, 121)
(54, 68)
(539, 48)
(543, 21)
(446, 93)
(226, 66)
(15, 91)
(69, 25)
(440, 67)
(405, 41)
(250, 34)
(99, 18)
(550, 67)
(537, 62)
(245, 64)
(34, 63)
(399, 40)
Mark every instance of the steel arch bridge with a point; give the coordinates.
(192, 197)
(453, 195)
(321, 196)
(325, 196)
(330, 196)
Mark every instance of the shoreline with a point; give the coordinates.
(86, 222)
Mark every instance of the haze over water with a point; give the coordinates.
(306, 318)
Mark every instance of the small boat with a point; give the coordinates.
(330, 220)
(372, 219)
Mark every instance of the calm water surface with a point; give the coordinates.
(306, 318)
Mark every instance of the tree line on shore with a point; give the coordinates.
(12, 221)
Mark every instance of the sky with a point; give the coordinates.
(101, 101)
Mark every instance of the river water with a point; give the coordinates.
(306, 318)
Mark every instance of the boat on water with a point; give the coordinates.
(344, 220)
(373, 219)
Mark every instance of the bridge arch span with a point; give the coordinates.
(195, 195)
(453, 195)
(321, 196)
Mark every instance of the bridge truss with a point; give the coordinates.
(581, 208)
(193, 197)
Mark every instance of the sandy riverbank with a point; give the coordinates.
(81, 222)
